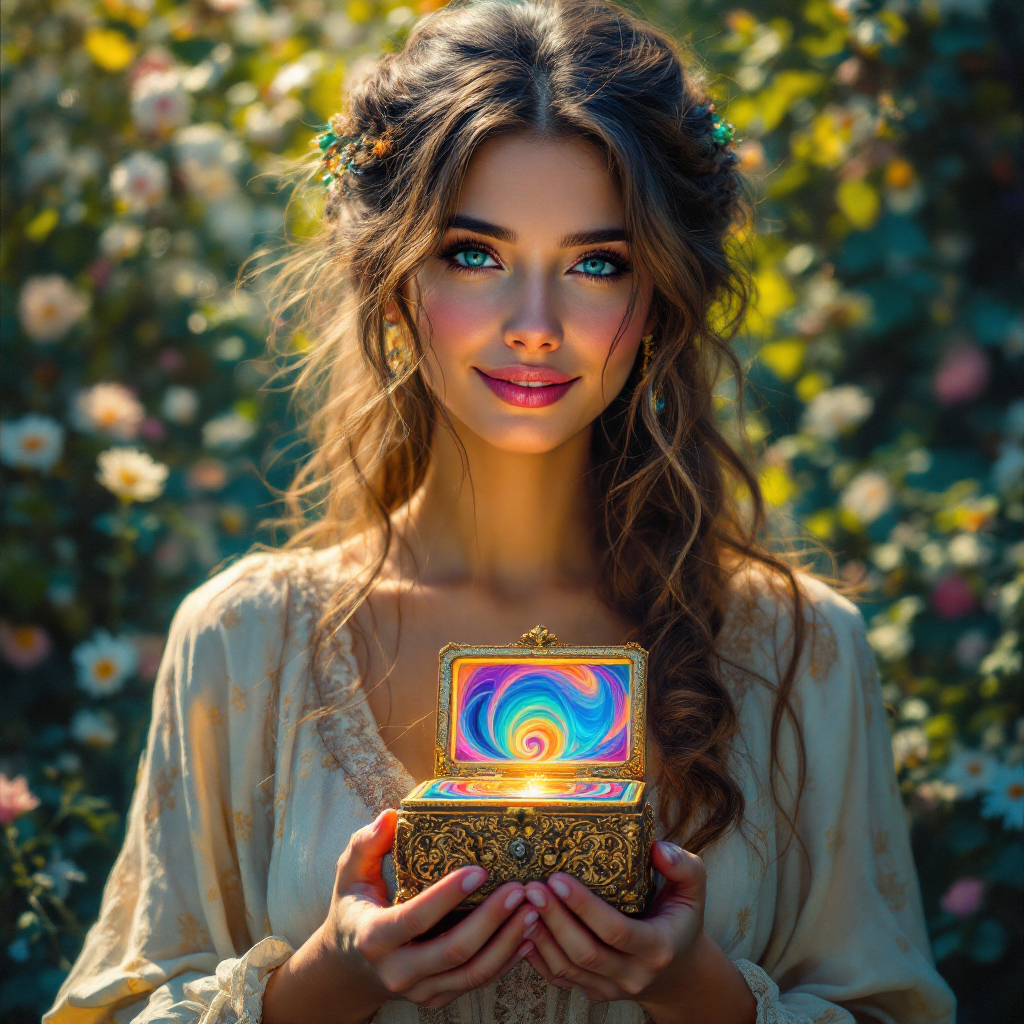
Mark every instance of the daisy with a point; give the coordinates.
(93, 728)
(970, 771)
(33, 442)
(48, 307)
(1004, 796)
(23, 647)
(131, 474)
(110, 409)
(867, 496)
(104, 663)
(837, 410)
(140, 183)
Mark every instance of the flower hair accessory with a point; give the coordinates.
(721, 132)
(339, 151)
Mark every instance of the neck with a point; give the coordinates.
(510, 522)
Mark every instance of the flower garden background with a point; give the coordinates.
(140, 446)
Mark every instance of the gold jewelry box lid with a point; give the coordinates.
(541, 709)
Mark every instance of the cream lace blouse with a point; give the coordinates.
(243, 805)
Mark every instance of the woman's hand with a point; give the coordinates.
(666, 962)
(367, 952)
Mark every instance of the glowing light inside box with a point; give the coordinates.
(541, 711)
(528, 790)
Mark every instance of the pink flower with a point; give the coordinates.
(15, 798)
(150, 648)
(23, 647)
(962, 376)
(964, 897)
(952, 597)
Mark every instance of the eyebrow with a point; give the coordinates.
(570, 241)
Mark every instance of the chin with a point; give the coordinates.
(533, 435)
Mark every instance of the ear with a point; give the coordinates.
(391, 311)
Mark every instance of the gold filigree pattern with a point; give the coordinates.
(608, 852)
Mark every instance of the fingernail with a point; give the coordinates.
(529, 917)
(536, 897)
(474, 878)
(513, 898)
(671, 851)
(529, 931)
(559, 887)
(524, 950)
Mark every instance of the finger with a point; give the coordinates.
(480, 969)
(405, 921)
(685, 877)
(560, 971)
(580, 944)
(359, 866)
(611, 926)
(457, 945)
(524, 951)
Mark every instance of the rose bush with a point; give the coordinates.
(140, 448)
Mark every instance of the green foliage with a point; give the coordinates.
(140, 141)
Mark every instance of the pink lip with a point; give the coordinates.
(509, 384)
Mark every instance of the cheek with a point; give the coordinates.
(456, 323)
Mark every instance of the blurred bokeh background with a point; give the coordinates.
(142, 141)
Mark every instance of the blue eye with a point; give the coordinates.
(474, 258)
(597, 266)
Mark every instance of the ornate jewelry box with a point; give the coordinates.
(538, 767)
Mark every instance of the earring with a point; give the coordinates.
(648, 343)
(396, 347)
(657, 398)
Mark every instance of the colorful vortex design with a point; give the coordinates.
(525, 790)
(542, 712)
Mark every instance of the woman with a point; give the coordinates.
(513, 421)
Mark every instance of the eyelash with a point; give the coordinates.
(620, 264)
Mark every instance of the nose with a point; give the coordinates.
(534, 326)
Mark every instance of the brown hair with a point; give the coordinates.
(679, 507)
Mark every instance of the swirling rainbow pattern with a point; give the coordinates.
(527, 790)
(541, 711)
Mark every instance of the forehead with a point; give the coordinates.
(541, 187)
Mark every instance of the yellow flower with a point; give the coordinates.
(109, 49)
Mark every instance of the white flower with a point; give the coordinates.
(160, 103)
(121, 241)
(140, 182)
(131, 474)
(970, 648)
(914, 709)
(93, 728)
(180, 404)
(208, 156)
(266, 125)
(867, 495)
(110, 409)
(103, 663)
(229, 430)
(1004, 796)
(908, 745)
(887, 556)
(49, 307)
(33, 442)
(1008, 470)
(836, 410)
(891, 641)
(966, 550)
(58, 875)
(970, 771)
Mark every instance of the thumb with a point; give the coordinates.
(685, 877)
(359, 866)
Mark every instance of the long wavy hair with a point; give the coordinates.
(679, 507)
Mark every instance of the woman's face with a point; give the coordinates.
(524, 298)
